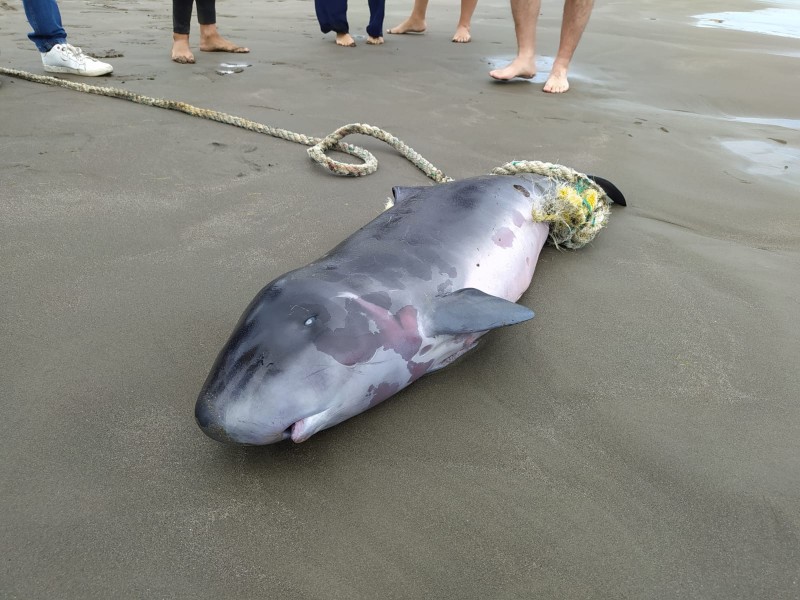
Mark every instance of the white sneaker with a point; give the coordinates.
(65, 58)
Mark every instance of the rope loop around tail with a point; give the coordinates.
(576, 211)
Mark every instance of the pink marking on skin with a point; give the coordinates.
(504, 237)
(382, 392)
(417, 370)
(347, 348)
(400, 331)
(354, 344)
(519, 220)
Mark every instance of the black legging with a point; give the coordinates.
(182, 14)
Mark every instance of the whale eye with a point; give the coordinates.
(310, 321)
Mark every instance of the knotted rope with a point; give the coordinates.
(576, 212)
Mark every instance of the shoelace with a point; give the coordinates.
(76, 53)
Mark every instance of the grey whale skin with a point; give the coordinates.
(405, 295)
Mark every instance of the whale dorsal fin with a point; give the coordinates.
(469, 310)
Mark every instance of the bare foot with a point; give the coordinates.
(557, 82)
(220, 44)
(519, 67)
(410, 25)
(345, 39)
(180, 49)
(212, 41)
(462, 35)
(375, 41)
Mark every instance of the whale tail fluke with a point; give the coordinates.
(610, 189)
(577, 208)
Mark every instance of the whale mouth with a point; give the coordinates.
(301, 430)
(298, 432)
(293, 432)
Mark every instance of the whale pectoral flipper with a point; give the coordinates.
(469, 310)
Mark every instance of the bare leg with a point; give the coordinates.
(212, 41)
(345, 39)
(576, 16)
(180, 49)
(416, 22)
(462, 35)
(526, 15)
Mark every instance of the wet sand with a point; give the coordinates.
(640, 438)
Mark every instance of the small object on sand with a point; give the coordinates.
(231, 68)
(106, 54)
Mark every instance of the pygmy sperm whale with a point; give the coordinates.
(404, 296)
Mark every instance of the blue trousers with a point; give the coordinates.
(45, 18)
(332, 16)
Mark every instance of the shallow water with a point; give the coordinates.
(767, 158)
(544, 64)
(783, 22)
(786, 123)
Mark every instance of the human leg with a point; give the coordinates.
(462, 34)
(416, 22)
(375, 26)
(45, 19)
(526, 15)
(51, 40)
(332, 16)
(576, 16)
(181, 23)
(210, 38)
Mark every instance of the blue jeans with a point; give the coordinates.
(45, 18)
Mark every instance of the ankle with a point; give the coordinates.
(207, 31)
(560, 65)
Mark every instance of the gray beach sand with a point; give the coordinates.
(640, 438)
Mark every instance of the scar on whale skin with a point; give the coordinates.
(504, 237)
